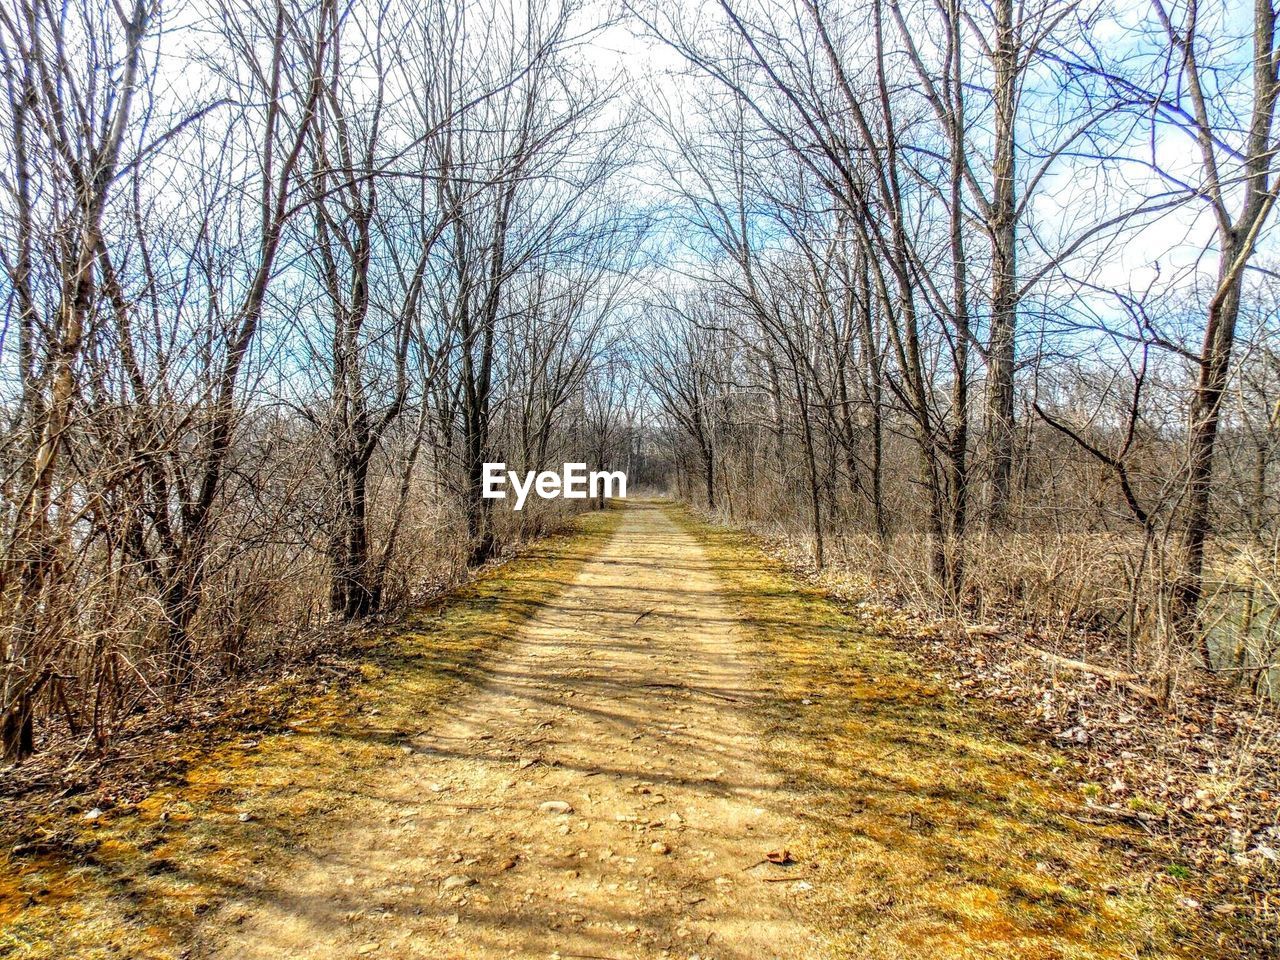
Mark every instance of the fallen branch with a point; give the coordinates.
(1106, 815)
(688, 689)
(1123, 813)
(1123, 677)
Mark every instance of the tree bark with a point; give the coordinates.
(1004, 272)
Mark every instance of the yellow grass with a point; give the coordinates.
(942, 832)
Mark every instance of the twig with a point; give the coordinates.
(681, 686)
(1122, 814)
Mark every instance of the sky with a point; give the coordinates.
(1161, 257)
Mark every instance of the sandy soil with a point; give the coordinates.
(625, 701)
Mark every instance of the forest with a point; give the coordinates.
(966, 307)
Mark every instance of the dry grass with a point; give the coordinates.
(943, 831)
(134, 881)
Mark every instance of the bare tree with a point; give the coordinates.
(70, 140)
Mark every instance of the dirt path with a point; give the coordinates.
(625, 700)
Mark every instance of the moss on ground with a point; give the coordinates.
(940, 831)
(135, 881)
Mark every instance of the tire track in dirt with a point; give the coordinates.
(626, 699)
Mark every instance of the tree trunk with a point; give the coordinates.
(1003, 227)
(1206, 414)
(709, 471)
(875, 397)
(17, 731)
(353, 592)
(479, 532)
